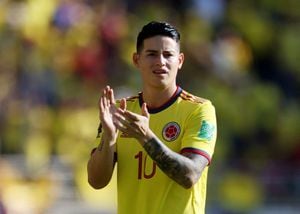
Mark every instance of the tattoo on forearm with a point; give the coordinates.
(100, 146)
(173, 164)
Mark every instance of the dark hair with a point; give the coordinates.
(155, 28)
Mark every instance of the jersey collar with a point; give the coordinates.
(165, 105)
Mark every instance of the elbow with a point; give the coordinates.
(190, 181)
(97, 181)
(97, 184)
(96, 178)
(188, 184)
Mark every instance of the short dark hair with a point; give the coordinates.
(155, 28)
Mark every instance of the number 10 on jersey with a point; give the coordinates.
(142, 163)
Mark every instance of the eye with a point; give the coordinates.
(167, 55)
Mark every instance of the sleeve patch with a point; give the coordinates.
(206, 131)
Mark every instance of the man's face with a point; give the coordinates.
(159, 62)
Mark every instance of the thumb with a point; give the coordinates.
(123, 104)
(145, 110)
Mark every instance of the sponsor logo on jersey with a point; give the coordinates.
(206, 131)
(171, 131)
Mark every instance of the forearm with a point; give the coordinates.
(185, 168)
(181, 169)
(101, 163)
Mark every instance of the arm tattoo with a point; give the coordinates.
(185, 170)
(100, 146)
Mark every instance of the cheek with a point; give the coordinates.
(175, 64)
(144, 67)
(146, 63)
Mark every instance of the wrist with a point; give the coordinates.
(109, 138)
(147, 137)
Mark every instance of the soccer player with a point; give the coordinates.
(162, 139)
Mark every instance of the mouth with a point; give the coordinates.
(160, 71)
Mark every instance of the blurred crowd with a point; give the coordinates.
(56, 56)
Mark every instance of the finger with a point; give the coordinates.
(111, 96)
(101, 102)
(106, 96)
(105, 91)
(126, 127)
(118, 117)
(120, 125)
(126, 135)
(145, 110)
(124, 124)
(131, 116)
(100, 108)
(123, 104)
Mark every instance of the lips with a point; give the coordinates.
(160, 71)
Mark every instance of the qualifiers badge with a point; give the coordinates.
(206, 131)
(171, 131)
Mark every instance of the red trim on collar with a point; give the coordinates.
(172, 99)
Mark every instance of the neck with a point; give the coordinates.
(157, 97)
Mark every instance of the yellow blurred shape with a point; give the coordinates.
(37, 19)
(27, 197)
(37, 151)
(240, 192)
(105, 199)
(21, 195)
(79, 132)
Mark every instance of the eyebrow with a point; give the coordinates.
(155, 51)
(149, 50)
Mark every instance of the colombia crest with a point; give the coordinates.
(171, 131)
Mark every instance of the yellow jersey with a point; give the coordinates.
(184, 123)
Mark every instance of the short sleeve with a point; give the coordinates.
(201, 131)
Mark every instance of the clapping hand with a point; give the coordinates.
(132, 124)
(107, 108)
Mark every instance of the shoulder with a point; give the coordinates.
(132, 98)
(186, 96)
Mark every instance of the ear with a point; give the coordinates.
(181, 60)
(135, 59)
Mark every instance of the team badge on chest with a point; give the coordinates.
(171, 131)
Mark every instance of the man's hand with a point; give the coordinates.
(134, 125)
(102, 161)
(107, 108)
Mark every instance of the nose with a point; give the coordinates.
(160, 60)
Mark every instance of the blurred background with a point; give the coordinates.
(56, 56)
